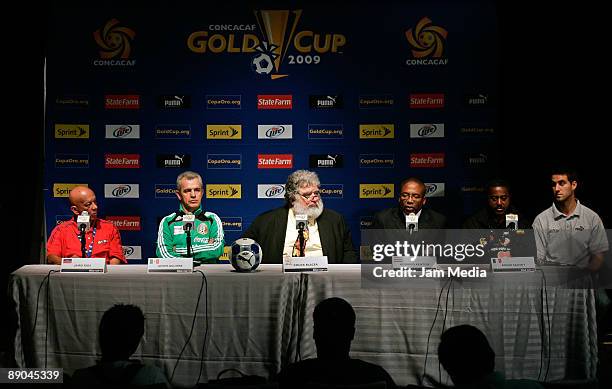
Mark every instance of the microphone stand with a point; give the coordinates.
(82, 240)
(188, 230)
(301, 238)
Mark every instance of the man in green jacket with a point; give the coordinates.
(177, 236)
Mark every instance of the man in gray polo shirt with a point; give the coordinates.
(569, 232)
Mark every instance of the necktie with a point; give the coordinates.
(297, 250)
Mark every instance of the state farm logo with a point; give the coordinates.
(121, 101)
(433, 130)
(115, 44)
(274, 101)
(427, 160)
(126, 191)
(426, 100)
(376, 191)
(125, 223)
(174, 102)
(122, 131)
(270, 191)
(223, 191)
(326, 160)
(121, 161)
(275, 161)
(376, 131)
(224, 131)
(72, 131)
(434, 189)
(275, 131)
(173, 161)
(325, 101)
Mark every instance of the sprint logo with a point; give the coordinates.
(224, 131)
(223, 191)
(72, 131)
(376, 191)
(376, 131)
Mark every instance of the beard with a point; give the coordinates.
(311, 212)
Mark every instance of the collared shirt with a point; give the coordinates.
(313, 244)
(65, 241)
(569, 239)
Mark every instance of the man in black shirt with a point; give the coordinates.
(498, 206)
(334, 329)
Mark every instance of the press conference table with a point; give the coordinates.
(261, 321)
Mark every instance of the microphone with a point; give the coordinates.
(511, 221)
(412, 222)
(300, 222)
(83, 223)
(83, 220)
(188, 221)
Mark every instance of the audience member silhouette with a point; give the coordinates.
(334, 329)
(467, 357)
(120, 332)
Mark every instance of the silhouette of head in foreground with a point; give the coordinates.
(466, 354)
(334, 328)
(121, 328)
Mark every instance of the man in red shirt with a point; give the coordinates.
(102, 239)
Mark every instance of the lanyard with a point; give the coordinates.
(90, 248)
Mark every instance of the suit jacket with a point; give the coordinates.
(393, 218)
(268, 229)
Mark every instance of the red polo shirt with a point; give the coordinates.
(64, 241)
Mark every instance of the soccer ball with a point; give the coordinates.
(246, 255)
(262, 64)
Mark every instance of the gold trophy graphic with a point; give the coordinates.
(273, 25)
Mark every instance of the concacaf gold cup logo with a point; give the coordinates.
(427, 43)
(274, 41)
(115, 44)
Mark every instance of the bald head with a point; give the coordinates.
(83, 199)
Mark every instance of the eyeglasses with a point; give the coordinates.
(311, 195)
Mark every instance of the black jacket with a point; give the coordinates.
(268, 229)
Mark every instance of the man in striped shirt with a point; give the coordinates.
(203, 240)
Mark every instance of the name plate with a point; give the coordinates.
(83, 265)
(304, 264)
(512, 264)
(414, 262)
(170, 265)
